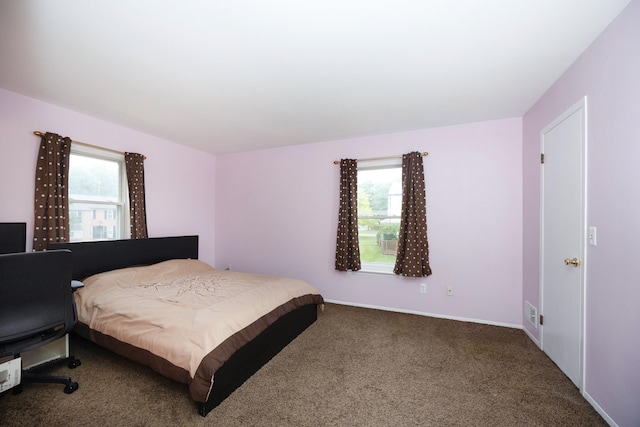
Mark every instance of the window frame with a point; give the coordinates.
(381, 164)
(122, 203)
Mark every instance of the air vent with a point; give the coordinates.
(531, 314)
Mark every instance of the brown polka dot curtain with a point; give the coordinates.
(347, 248)
(412, 258)
(134, 164)
(51, 222)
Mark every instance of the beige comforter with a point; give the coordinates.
(181, 310)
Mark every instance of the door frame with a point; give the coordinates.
(581, 105)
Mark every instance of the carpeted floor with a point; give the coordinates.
(353, 367)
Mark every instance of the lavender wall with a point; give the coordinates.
(276, 213)
(179, 180)
(608, 73)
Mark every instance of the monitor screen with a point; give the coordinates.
(13, 237)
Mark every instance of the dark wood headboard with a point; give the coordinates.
(96, 257)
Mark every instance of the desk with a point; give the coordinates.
(58, 349)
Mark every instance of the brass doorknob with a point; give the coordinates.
(575, 262)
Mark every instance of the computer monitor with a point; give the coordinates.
(13, 237)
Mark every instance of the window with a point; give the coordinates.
(102, 232)
(379, 209)
(98, 207)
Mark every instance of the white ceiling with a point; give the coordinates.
(235, 75)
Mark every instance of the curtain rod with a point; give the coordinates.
(337, 162)
(38, 133)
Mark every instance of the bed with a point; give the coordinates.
(152, 301)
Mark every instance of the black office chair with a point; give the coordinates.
(36, 308)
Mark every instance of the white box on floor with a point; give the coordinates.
(10, 374)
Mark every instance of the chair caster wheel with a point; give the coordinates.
(70, 388)
(74, 364)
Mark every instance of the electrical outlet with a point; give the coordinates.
(449, 290)
(423, 288)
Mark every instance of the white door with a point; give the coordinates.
(563, 240)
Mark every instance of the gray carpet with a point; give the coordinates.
(353, 367)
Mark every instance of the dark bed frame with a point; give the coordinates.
(96, 257)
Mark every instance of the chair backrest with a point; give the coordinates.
(36, 303)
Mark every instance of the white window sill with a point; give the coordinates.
(370, 268)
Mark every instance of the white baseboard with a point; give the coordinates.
(534, 339)
(421, 313)
(599, 410)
